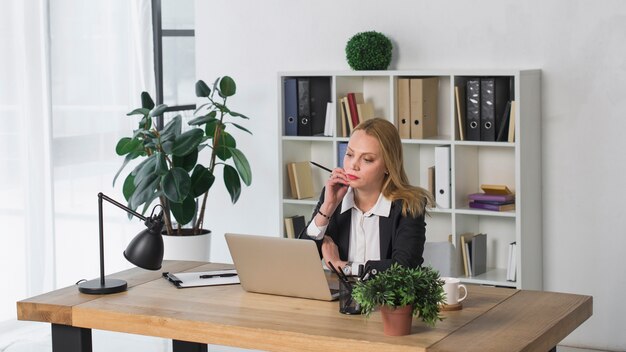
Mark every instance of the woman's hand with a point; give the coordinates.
(330, 252)
(336, 188)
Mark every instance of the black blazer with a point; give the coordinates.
(401, 237)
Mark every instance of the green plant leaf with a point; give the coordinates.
(145, 169)
(239, 127)
(139, 111)
(176, 184)
(242, 165)
(236, 114)
(186, 162)
(158, 110)
(203, 119)
(127, 145)
(227, 86)
(201, 180)
(226, 141)
(167, 147)
(127, 159)
(129, 187)
(144, 192)
(187, 142)
(146, 101)
(161, 167)
(145, 122)
(232, 183)
(185, 211)
(211, 126)
(202, 90)
(172, 129)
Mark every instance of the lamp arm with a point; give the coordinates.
(121, 206)
(102, 196)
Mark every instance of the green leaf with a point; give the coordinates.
(185, 211)
(161, 164)
(176, 184)
(187, 142)
(127, 145)
(167, 147)
(139, 111)
(144, 192)
(146, 101)
(129, 187)
(211, 126)
(239, 127)
(242, 165)
(226, 141)
(145, 169)
(127, 159)
(158, 111)
(231, 180)
(203, 119)
(186, 162)
(236, 114)
(227, 86)
(172, 129)
(201, 180)
(145, 122)
(202, 90)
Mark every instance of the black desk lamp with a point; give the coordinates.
(145, 250)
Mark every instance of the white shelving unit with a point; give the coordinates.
(516, 164)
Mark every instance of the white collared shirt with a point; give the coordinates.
(364, 229)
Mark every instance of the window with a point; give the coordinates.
(174, 52)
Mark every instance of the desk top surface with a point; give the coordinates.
(492, 319)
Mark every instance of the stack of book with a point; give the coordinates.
(474, 253)
(354, 110)
(495, 198)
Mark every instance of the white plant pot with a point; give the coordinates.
(195, 248)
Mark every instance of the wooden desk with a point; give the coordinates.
(493, 319)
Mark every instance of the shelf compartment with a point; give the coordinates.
(444, 128)
(320, 151)
(477, 165)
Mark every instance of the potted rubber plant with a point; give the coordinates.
(401, 293)
(170, 170)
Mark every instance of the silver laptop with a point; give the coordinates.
(279, 266)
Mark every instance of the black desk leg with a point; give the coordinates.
(553, 349)
(70, 339)
(184, 346)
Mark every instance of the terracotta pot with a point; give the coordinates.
(397, 320)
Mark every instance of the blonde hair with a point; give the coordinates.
(396, 184)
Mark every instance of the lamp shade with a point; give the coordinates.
(146, 249)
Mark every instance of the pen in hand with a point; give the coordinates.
(217, 275)
(320, 166)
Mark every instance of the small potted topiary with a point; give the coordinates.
(369, 51)
(401, 293)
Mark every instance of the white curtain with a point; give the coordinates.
(69, 72)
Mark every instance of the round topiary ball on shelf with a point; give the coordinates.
(369, 51)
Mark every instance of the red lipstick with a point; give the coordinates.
(352, 177)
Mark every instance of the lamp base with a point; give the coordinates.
(95, 287)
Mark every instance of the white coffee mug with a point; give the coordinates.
(452, 288)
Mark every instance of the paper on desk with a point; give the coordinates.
(192, 279)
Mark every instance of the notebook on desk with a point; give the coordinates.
(279, 266)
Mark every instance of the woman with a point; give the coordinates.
(368, 213)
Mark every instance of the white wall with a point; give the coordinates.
(579, 45)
